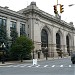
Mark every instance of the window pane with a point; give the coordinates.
(0, 21)
(22, 29)
(44, 38)
(4, 22)
(12, 28)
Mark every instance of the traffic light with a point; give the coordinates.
(55, 9)
(61, 8)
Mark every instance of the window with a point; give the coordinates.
(28, 35)
(28, 26)
(44, 38)
(3, 32)
(0, 21)
(4, 22)
(13, 24)
(22, 29)
(57, 40)
(12, 27)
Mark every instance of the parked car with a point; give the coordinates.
(73, 57)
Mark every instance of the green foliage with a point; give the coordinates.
(22, 47)
(3, 34)
(14, 35)
(3, 39)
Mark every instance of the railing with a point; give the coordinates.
(53, 53)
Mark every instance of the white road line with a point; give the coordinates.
(15, 65)
(53, 65)
(70, 66)
(45, 65)
(33, 66)
(22, 65)
(61, 65)
(37, 65)
(9, 66)
(30, 66)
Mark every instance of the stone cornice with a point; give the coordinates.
(11, 13)
(36, 10)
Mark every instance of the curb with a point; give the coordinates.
(28, 61)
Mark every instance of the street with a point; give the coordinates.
(50, 67)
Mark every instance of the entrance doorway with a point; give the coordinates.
(44, 40)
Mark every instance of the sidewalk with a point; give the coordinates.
(15, 62)
(28, 61)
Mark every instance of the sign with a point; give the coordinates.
(34, 61)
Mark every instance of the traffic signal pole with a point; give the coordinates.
(57, 2)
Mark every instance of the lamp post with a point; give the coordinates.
(3, 52)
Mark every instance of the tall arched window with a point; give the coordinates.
(57, 40)
(44, 38)
(67, 43)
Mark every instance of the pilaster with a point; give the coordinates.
(8, 27)
(18, 27)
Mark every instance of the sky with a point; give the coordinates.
(45, 5)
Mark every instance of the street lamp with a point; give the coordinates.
(3, 52)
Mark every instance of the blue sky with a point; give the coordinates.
(45, 5)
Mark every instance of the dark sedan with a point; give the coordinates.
(73, 57)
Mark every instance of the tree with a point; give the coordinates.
(3, 34)
(14, 35)
(22, 48)
(3, 38)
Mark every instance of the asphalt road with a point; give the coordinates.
(49, 67)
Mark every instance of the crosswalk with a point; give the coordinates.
(37, 66)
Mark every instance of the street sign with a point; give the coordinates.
(34, 61)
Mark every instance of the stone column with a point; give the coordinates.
(18, 28)
(64, 44)
(74, 41)
(8, 27)
(54, 43)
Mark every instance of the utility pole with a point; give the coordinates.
(57, 2)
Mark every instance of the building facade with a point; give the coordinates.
(49, 33)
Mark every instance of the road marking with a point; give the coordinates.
(53, 65)
(30, 66)
(16, 65)
(70, 66)
(37, 65)
(61, 65)
(45, 65)
(23, 66)
(33, 66)
(9, 66)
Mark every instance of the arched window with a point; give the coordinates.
(57, 41)
(67, 43)
(44, 38)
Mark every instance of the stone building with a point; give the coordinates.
(49, 33)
